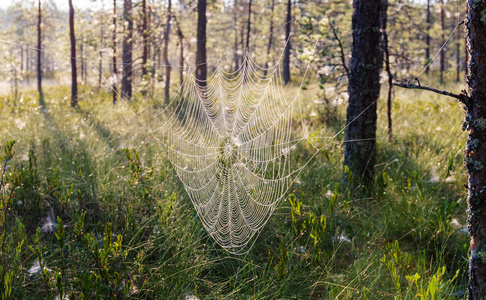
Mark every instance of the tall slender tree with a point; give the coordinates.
(201, 62)
(443, 50)
(476, 146)
(181, 51)
(248, 26)
(270, 36)
(286, 58)
(427, 38)
(39, 57)
(235, 27)
(166, 53)
(74, 73)
(114, 86)
(364, 89)
(127, 50)
(458, 53)
(102, 44)
(145, 35)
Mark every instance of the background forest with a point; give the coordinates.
(92, 209)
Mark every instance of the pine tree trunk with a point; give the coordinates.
(235, 24)
(364, 89)
(74, 73)
(286, 59)
(458, 54)
(201, 63)
(427, 39)
(248, 26)
(102, 44)
(115, 70)
(181, 52)
(442, 52)
(475, 159)
(39, 58)
(127, 50)
(145, 35)
(270, 36)
(166, 53)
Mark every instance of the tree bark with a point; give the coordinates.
(127, 50)
(286, 59)
(39, 58)
(201, 63)
(115, 71)
(235, 21)
(181, 57)
(442, 51)
(475, 159)
(458, 54)
(74, 74)
(364, 90)
(248, 26)
(145, 35)
(166, 53)
(427, 39)
(270, 36)
(102, 44)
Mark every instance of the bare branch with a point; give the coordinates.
(341, 49)
(463, 97)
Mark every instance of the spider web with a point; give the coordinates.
(231, 141)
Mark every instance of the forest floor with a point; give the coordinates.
(97, 211)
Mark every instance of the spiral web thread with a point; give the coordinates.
(230, 140)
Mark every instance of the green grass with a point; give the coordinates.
(130, 231)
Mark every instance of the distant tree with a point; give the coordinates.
(115, 71)
(364, 89)
(235, 27)
(74, 76)
(201, 63)
(270, 35)
(427, 37)
(102, 43)
(126, 91)
(166, 53)
(475, 158)
(39, 57)
(181, 51)
(443, 50)
(248, 26)
(286, 58)
(146, 37)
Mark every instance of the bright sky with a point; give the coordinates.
(61, 4)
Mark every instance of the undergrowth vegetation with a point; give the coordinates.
(91, 209)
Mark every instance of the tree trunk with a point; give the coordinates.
(442, 51)
(115, 71)
(127, 50)
(181, 58)
(475, 159)
(74, 73)
(248, 26)
(270, 36)
(364, 89)
(286, 59)
(39, 58)
(458, 54)
(427, 39)
(201, 64)
(145, 35)
(235, 24)
(102, 44)
(166, 53)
